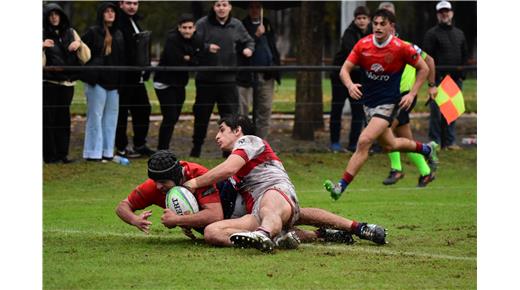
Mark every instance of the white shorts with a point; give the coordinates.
(288, 192)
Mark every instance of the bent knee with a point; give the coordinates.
(211, 235)
(364, 142)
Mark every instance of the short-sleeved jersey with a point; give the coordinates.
(408, 77)
(262, 171)
(147, 193)
(382, 67)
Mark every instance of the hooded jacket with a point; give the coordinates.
(59, 55)
(228, 36)
(94, 38)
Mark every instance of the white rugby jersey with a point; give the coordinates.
(263, 170)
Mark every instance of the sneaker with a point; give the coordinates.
(128, 153)
(287, 240)
(256, 239)
(453, 147)
(144, 150)
(336, 147)
(373, 233)
(334, 189)
(432, 159)
(424, 180)
(335, 236)
(393, 177)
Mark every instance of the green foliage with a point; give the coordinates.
(431, 231)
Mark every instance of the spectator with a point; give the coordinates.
(107, 45)
(447, 45)
(180, 49)
(220, 33)
(132, 94)
(359, 28)
(62, 46)
(259, 87)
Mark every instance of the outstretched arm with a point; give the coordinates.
(222, 171)
(126, 213)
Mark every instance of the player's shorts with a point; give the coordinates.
(403, 117)
(289, 193)
(386, 111)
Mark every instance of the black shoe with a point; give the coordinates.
(424, 180)
(128, 153)
(335, 236)
(144, 150)
(373, 233)
(65, 160)
(195, 151)
(393, 177)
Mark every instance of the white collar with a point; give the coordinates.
(382, 44)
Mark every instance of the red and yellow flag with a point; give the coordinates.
(450, 100)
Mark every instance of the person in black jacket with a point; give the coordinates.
(359, 28)
(107, 46)
(180, 49)
(132, 94)
(447, 45)
(62, 46)
(259, 86)
(221, 34)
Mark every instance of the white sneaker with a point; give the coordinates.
(287, 240)
(256, 239)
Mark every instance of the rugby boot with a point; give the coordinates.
(373, 233)
(334, 189)
(256, 239)
(335, 236)
(425, 179)
(287, 240)
(393, 177)
(432, 158)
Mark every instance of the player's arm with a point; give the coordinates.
(421, 75)
(210, 213)
(222, 171)
(432, 86)
(126, 213)
(344, 74)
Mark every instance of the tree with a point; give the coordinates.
(309, 101)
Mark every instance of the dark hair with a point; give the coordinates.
(186, 17)
(163, 165)
(235, 121)
(361, 10)
(385, 14)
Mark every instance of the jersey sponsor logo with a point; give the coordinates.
(377, 68)
(375, 77)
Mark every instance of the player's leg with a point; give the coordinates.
(376, 126)
(396, 169)
(218, 233)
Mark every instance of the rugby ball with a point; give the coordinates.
(180, 200)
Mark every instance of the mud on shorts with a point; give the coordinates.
(289, 193)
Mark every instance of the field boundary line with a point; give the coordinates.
(319, 246)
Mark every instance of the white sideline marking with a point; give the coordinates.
(320, 246)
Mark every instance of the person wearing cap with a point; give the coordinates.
(447, 45)
(180, 49)
(165, 172)
(358, 28)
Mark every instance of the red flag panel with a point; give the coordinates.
(449, 86)
(449, 112)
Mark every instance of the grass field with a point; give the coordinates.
(432, 233)
(284, 97)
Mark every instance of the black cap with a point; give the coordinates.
(163, 165)
(186, 17)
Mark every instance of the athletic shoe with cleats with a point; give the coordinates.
(432, 159)
(373, 233)
(334, 189)
(256, 239)
(335, 236)
(287, 240)
(425, 179)
(393, 177)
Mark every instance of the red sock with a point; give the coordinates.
(418, 147)
(265, 231)
(348, 177)
(355, 227)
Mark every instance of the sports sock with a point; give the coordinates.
(420, 163)
(395, 160)
(356, 227)
(346, 180)
(422, 148)
(265, 231)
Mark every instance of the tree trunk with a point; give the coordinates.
(309, 100)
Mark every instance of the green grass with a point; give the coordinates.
(432, 232)
(284, 97)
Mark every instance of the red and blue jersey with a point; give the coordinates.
(382, 67)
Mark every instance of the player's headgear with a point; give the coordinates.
(163, 165)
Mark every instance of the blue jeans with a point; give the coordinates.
(100, 131)
(440, 132)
